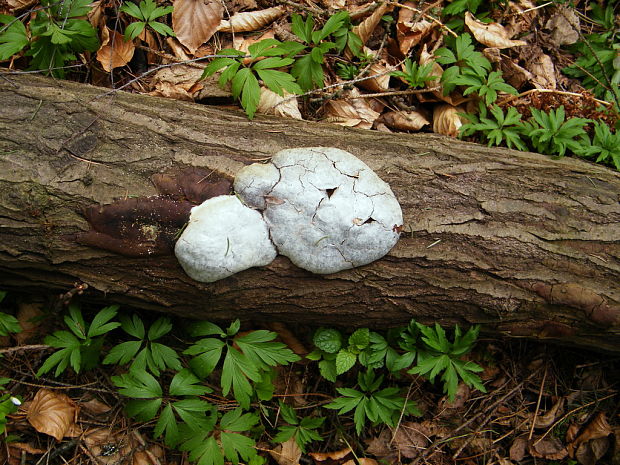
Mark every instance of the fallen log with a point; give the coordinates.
(526, 245)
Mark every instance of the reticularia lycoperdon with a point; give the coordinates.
(325, 210)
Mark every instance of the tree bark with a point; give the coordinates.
(526, 245)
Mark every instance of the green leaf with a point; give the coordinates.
(327, 368)
(250, 96)
(210, 351)
(163, 357)
(263, 353)
(235, 445)
(308, 73)
(122, 353)
(301, 28)
(162, 29)
(237, 421)
(132, 9)
(167, 423)
(344, 361)
(328, 340)
(132, 326)
(143, 410)
(206, 328)
(204, 451)
(199, 415)
(8, 324)
(235, 373)
(185, 383)
(138, 385)
(278, 82)
(360, 338)
(134, 30)
(13, 37)
(100, 324)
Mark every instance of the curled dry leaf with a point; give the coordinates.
(287, 453)
(16, 5)
(543, 71)
(598, 428)
(279, 105)
(351, 112)
(549, 417)
(195, 21)
(114, 51)
(381, 82)
(518, 449)
(179, 82)
(411, 28)
(335, 455)
(404, 120)
(514, 74)
(334, 4)
(52, 413)
(492, 34)
(446, 121)
(251, 20)
(116, 445)
(365, 29)
(436, 70)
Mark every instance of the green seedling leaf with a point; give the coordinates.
(328, 340)
(13, 37)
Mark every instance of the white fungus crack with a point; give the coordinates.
(321, 207)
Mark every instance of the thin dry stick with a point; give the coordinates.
(425, 16)
(396, 92)
(510, 98)
(540, 393)
(10, 350)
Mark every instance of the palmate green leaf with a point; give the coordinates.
(134, 30)
(13, 37)
(75, 321)
(237, 421)
(350, 399)
(605, 145)
(167, 423)
(138, 385)
(288, 413)
(163, 357)
(123, 353)
(101, 323)
(238, 82)
(279, 81)
(203, 450)
(335, 22)
(258, 347)
(158, 13)
(250, 96)
(143, 409)
(133, 326)
(308, 73)
(235, 373)
(206, 328)
(285, 433)
(236, 445)
(162, 28)
(198, 414)
(132, 10)
(185, 383)
(59, 359)
(264, 47)
(302, 29)
(8, 324)
(209, 351)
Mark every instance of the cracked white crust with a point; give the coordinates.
(223, 237)
(326, 210)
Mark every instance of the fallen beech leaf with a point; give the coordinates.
(109, 447)
(549, 417)
(379, 83)
(334, 4)
(279, 105)
(404, 120)
(27, 448)
(365, 29)
(380, 446)
(517, 449)
(550, 449)
(436, 70)
(352, 112)
(543, 71)
(180, 82)
(252, 20)
(410, 33)
(114, 51)
(95, 406)
(16, 5)
(287, 453)
(598, 428)
(335, 455)
(590, 452)
(52, 413)
(195, 21)
(446, 121)
(514, 74)
(492, 34)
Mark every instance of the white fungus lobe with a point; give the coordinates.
(223, 237)
(326, 210)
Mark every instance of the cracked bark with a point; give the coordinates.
(526, 245)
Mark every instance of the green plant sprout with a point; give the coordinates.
(415, 75)
(439, 355)
(465, 60)
(144, 352)
(81, 346)
(552, 134)
(146, 13)
(8, 323)
(256, 354)
(266, 57)
(605, 145)
(378, 406)
(304, 430)
(498, 128)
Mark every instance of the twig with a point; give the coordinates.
(540, 393)
(396, 92)
(425, 16)
(510, 98)
(10, 350)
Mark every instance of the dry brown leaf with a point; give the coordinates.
(279, 105)
(95, 406)
(520, 16)
(410, 33)
(177, 49)
(334, 4)
(550, 449)
(16, 5)
(114, 51)
(52, 413)
(549, 417)
(180, 82)
(517, 449)
(446, 121)
(564, 26)
(251, 20)
(380, 446)
(404, 120)
(543, 71)
(598, 428)
(335, 455)
(195, 21)
(590, 452)
(96, 16)
(361, 461)
(288, 337)
(491, 34)
(379, 83)
(355, 113)
(436, 70)
(365, 29)
(27, 312)
(147, 36)
(109, 447)
(27, 448)
(287, 453)
(514, 74)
